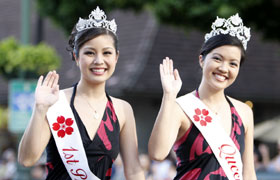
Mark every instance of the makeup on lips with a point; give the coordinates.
(98, 71)
(220, 77)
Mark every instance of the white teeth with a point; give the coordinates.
(98, 70)
(220, 78)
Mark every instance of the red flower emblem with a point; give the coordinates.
(202, 116)
(63, 126)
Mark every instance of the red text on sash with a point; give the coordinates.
(227, 152)
(69, 157)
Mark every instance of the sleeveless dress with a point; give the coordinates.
(195, 159)
(101, 151)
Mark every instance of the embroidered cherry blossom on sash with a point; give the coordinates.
(63, 126)
(201, 115)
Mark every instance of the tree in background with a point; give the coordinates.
(261, 15)
(65, 13)
(26, 61)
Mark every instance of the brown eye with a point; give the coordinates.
(234, 64)
(107, 52)
(89, 53)
(217, 58)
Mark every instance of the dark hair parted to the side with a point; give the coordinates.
(222, 40)
(78, 39)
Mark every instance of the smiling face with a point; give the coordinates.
(97, 59)
(220, 67)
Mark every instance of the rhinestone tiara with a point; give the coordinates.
(232, 26)
(97, 19)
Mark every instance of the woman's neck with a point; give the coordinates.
(210, 95)
(91, 91)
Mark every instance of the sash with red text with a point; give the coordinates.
(68, 139)
(221, 144)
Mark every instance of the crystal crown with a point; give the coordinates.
(232, 26)
(97, 19)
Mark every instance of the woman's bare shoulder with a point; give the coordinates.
(240, 105)
(68, 92)
(120, 103)
(244, 111)
(123, 110)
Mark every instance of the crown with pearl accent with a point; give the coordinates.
(232, 26)
(97, 19)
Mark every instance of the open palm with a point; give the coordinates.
(47, 90)
(170, 79)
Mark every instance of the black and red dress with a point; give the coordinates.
(101, 151)
(195, 159)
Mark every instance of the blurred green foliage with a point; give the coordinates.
(262, 15)
(3, 117)
(26, 61)
(65, 13)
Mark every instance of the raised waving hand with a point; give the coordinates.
(170, 78)
(168, 121)
(37, 133)
(47, 90)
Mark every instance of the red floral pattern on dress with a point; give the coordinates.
(202, 116)
(63, 126)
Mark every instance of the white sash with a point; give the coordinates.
(68, 139)
(221, 144)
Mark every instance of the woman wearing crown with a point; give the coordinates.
(210, 132)
(83, 128)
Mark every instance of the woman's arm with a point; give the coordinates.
(248, 155)
(37, 133)
(165, 130)
(168, 122)
(128, 142)
(35, 138)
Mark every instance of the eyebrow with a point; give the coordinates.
(108, 48)
(91, 48)
(218, 54)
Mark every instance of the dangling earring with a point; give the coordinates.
(77, 63)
